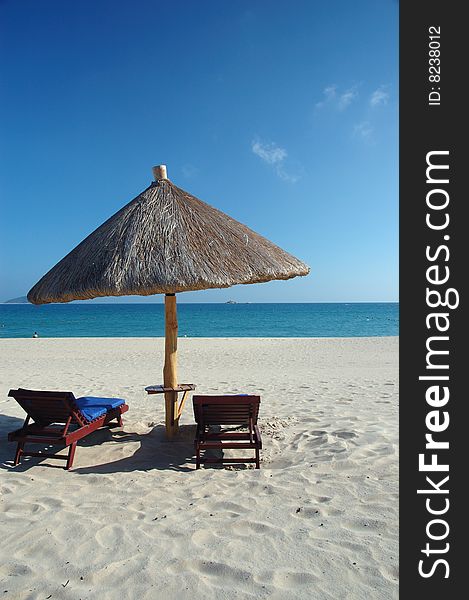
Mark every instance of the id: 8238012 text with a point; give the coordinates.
(434, 65)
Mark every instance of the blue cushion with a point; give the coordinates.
(92, 408)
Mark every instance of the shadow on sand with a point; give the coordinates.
(155, 451)
(7, 449)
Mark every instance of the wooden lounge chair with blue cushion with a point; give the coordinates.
(61, 419)
(237, 410)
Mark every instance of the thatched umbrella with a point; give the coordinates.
(165, 241)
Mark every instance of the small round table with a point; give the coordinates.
(175, 411)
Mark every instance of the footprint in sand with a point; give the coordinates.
(230, 507)
(23, 509)
(110, 536)
(256, 527)
(291, 579)
(222, 570)
(202, 538)
(213, 569)
(345, 435)
(366, 526)
(14, 570)
(51, 503)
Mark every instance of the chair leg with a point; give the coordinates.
(197, 458)
(19, 452)
(119, 421)
(71, 456)
(258, 464)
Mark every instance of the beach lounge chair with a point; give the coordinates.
(241, 411)
(61, 419)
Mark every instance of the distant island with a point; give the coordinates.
(20, 300)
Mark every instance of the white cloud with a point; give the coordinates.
(273, 155)
(363, 130)
(286, 176)
(347, 98)
(330, 92)
(270, 153)
(379, 97)
(332, 97)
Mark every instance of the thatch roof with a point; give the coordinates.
(165, 240)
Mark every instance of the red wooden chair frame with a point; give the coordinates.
(227, 410)
(56, 421)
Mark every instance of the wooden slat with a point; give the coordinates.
(219, 410)
(226, 399)
(224, 420)
(224, 415)
(35, 394)
(17, 436)
(227, 460)
(225, 410)
(227, 436)
(45, 455)
(225, 445)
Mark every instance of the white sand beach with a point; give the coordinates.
(135, 520)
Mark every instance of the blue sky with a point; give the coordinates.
(282, 114)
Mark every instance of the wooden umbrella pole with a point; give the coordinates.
(170, 364)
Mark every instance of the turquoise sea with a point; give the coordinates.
(201, 320)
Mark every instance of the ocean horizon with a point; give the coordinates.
(325, 319)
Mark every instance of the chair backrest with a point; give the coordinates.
(226, 410)
(48, 407)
